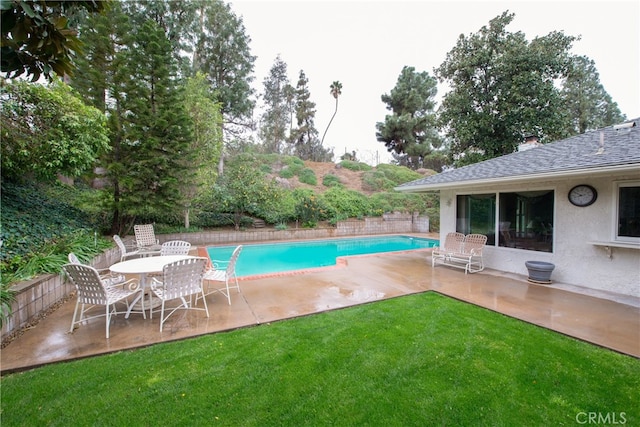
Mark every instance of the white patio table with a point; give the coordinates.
(144, 266)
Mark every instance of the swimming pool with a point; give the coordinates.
(258, 259)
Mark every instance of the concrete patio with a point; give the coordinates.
(607, 320)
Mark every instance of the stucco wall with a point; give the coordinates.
(577, 261)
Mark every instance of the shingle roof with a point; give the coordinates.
(620, 146)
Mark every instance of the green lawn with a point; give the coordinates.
(416, 360)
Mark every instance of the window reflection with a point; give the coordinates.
(526, 220)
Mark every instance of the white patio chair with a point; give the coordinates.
(180, 279)
(109, 278)
(473, 246)
(146, 240)
(124, 253)
(92, 291)
(453, 243)
(175, 247)
(223, 271)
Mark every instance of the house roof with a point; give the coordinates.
(614, 148)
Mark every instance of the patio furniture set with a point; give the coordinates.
(166, 272)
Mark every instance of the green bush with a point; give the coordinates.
(398, 174)
(53, 253)
(376, 181)
(287, 173)
(387, 177)
(401, 202)
(266, 169)
(308, 176)
(347, 203)
(293, 161)
(355, 166)
(331, 180)
(310, 208)
(278, 209)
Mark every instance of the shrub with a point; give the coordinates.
(51, 255)
(266, 169)
(310, 209)
(398, 174)
(376, 181)
(277, 209)
(287, 173)
(401, 202)
(293, 161)
(347, 203)
(355, 166)
(308, 176)
(331, 180)
(386, 177)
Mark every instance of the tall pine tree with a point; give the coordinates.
(131, 73)
(588, 104)
(304, 137)
(157, 131)
(222, 54)
(410, 132)
(274, 122)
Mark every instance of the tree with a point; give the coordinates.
(242, 190)
(304, 137)
(335, 91)
(207, 139)
(48, 130)
(156, 130)
(151, 162)
(410, 132)
(222, 53)
(274, 122)
(37, 38)
(588, 104)
(502, 87)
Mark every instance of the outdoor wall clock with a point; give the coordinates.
(582, 195)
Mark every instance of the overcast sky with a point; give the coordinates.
(365, 44)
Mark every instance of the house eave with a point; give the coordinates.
(633, 167)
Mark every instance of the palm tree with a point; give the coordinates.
(336, 91)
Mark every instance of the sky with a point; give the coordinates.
(364, 44)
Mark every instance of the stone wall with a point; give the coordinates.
(35, 297)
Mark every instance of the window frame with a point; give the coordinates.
(617, 185)
(498, 207)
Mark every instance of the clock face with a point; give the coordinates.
(582, 195)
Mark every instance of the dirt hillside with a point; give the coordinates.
(350, 179)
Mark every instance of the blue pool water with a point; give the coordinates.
(290, 256)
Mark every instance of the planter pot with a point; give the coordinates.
(539, 271)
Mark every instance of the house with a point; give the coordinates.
(574, 203)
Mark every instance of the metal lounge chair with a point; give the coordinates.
(175, 247)
(222, 271)
(124, 253)
(146, 240)
(109, 278)
(453, 243)
(93, 291)
(180, 279)
(467, 255)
